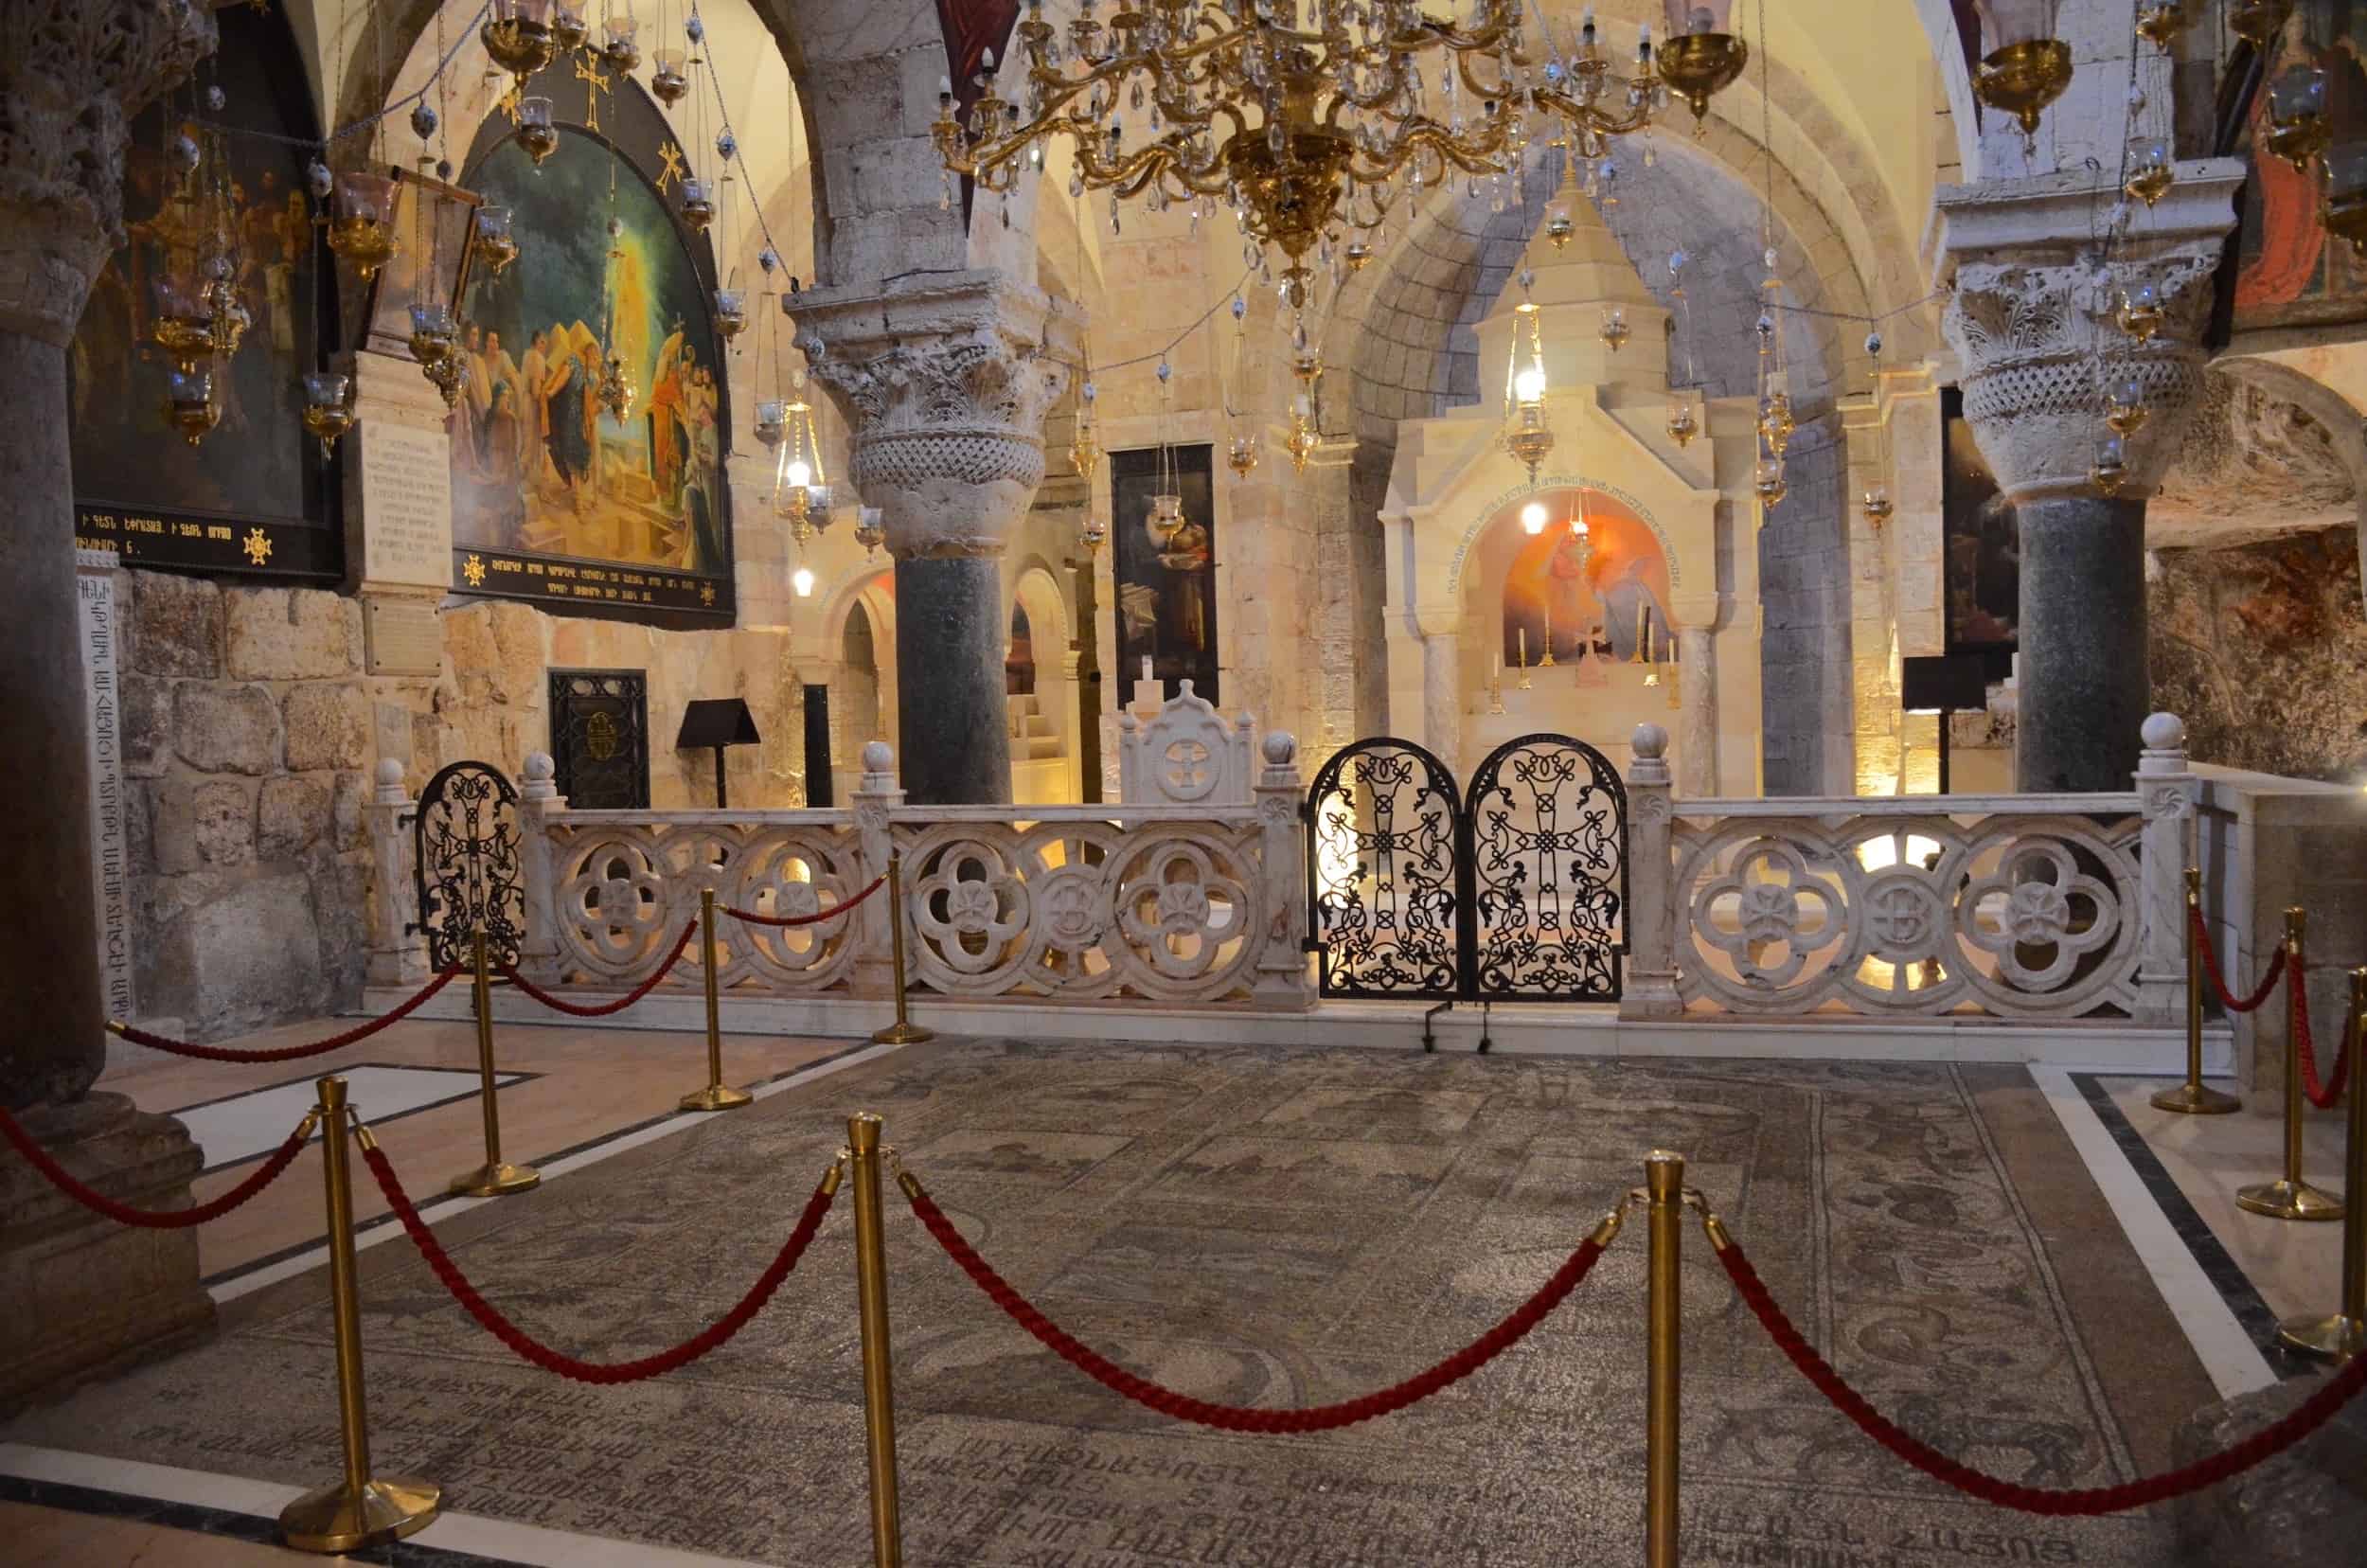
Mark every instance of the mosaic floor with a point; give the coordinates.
(1259, 1226)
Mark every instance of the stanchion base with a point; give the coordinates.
(496, 1180)
(2284, 1199)
(902, 1034)
(2335, 1339)
(2195, 1099)
(717, 1098)
(334, 1519)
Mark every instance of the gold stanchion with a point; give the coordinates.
(494, 1178)
(2192, 1098)
(2344, 1335)
(879, 1391)
(2289, 1197)
(359, 1509)
(904, 1031)
(1664, 1190)
(714, 1096)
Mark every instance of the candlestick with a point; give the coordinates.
(1643, 626)
(1524, 647)
(1147, 675)
(1548, 659)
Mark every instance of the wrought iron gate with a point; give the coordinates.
(1515, 891)
(465, 846)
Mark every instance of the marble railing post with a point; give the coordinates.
(1282, 981)
(539, 804)
(944, 380)
(1651, 990)
(2167, 792)
(78, 1293)
(1697, 687)
(398, 956)
(2034, 323)
(876, 795)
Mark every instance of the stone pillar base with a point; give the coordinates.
(82, 1296)
(2284, 1512)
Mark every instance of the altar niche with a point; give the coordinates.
(1570, 627)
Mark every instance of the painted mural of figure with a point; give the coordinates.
(1628, 606)
(533, 421)
(567, 393)
(669, 424)
(500, 439)
(1567, 602)
(1186, 555)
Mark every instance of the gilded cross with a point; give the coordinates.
(257, 546)
(669, 165)
(589, 72)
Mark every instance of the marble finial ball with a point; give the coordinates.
(2164, 732)
(1649, 740)
(876, 756)
(540, 766)
(1280, 746)
(389, 774)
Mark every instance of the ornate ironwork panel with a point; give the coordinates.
(465, 846)
(600, 737)
(1546, 848)
(1385, 875)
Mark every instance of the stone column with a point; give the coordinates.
(2035, 311)
(86, 1293)
(944, 380)
(1697, 687)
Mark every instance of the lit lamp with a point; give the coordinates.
(361, 223)
(2125, 407)
(1876, 507)
(2150, 174)
(1528, 439)
(802, 581)
(189, 405)
(1682, 424)
(432, 339)
(1240, 455)
(1533, 517)
(2344, 206)
(2298, 127)
(1615, 329)
(799, 488)
(1768, 482)
(328, 407)
(517, 33)
(182, 326)
(494, 239)
(2141, 312)
(1701, 54)
(2024, 66)
(1304, 438)
(1941, 685)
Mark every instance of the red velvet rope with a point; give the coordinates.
(2218, 982)
(816, 918)
(2323, 1095)
(1238, 1417)
(285, 1053)
(90, 1198)
(2082, 1502)
(601, 1009)
(682, 1355)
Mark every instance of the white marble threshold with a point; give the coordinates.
(450, 1532)
(1544, 1029)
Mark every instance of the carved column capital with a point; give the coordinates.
(2035, 311)
(73, 74)
(945, 383)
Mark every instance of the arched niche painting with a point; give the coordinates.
(1591, 585)
(254, 495)
(557, 497)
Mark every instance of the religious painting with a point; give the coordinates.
(564, 491)
(256, 495)
(1166, 568)
(1592, 586)
(2290, 272)
(1982, 570)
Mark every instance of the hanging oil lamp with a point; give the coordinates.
(536, 132)
(2150, 174)
(2111, 471)
(622, 52)
(2298, 128)
(667, 83)
(1240, 455)
(495, 241)
(1876, 507)
(361, 225)
(228, 317)
(518, 34)
(1093, 532)
(2024, 67)
(2125, 407)
(1559, 228)
(731, 312)
(1766, 482)
(870, 531)
(1528, 439)
(799, 487)
(569, 31)
(189, 405)
(1615, 329)
(1682, 424)
(772, 422)
(328, 407)
(1775, 421)
(697, 205)
(181, 326)
(1358, 254)
(1700, 55)
(2141, 312)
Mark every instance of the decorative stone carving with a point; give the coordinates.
(2035, 303)
(1184, 755)
(945, 383)
(2250, 456)
(73, 74)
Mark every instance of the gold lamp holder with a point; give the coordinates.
(2022, 79)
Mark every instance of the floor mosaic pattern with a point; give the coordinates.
(1256, 1225)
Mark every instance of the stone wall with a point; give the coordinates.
(246, 751)
(2262, 650)
(1807, 700)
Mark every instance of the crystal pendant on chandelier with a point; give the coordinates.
(2298, 128)
(328, 408)
(361, 231)
(2023, 65)
(667, 82)
(517, 33)
(1682, 424)
(1701, 54)
(536, 132)
(2150, 174)
(494, 239)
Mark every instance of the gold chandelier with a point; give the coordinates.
(1304, 118)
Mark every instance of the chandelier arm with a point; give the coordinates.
(1589, 117)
